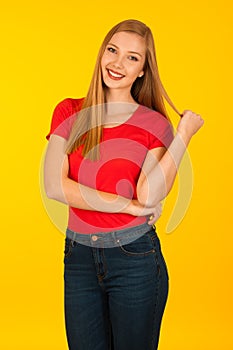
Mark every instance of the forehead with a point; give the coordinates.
(129, 41)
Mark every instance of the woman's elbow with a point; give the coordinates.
(148, 202)
(56, 191)
(150, 197)
(144, 198)
(50, 190)
(51, 187)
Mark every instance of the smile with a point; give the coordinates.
(114, 75)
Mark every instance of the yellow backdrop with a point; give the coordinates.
(48, 50)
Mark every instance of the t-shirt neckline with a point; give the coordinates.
(122, 124)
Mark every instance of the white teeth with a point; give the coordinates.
(115, 74)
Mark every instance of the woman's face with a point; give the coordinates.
(123, 60)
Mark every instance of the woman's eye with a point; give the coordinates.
(133, 58)
(111, 49)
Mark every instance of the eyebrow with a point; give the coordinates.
(137, 53)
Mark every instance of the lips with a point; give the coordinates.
(114, 75)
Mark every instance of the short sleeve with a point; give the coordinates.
(63, 117)
(162, 134)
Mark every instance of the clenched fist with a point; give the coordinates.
(189, 124)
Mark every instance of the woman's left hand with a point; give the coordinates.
(155, 214)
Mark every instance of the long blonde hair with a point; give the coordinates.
(147, 90)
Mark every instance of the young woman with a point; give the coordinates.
(112, 157)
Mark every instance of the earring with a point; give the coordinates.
(140, 75)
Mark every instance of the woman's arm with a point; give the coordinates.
(60, 187)
(160, 167)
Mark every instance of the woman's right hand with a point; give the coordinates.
(153, 213)
(189, 124)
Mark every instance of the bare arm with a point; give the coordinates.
(158, 173)
(60, 187)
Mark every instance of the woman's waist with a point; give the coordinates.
(87, 221)
(109, 239)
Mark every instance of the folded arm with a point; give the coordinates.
(160, 166)
(159, 172)
(60, 187)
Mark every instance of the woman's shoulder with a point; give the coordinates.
(150, 118)
(149, 112)
(154, 123)
(64, 114)
(69, 106)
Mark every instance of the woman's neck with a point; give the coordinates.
(116, 95)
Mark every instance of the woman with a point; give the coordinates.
(112, 157)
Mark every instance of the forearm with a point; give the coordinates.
(79, 196)
(60, 187)
(159, 180)
(83, 197)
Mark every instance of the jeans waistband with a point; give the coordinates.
(109, 239)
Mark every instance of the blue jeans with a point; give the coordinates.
(115, 297)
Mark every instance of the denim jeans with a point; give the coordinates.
(115, 297)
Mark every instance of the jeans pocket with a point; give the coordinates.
(69, 245)
(140, 247)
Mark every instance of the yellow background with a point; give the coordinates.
(48, 50)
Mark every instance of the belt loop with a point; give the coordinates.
(73, 236)
(115, 237)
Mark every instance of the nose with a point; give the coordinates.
(118, 62)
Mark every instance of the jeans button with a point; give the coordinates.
(94, 238)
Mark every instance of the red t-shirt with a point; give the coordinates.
(123, 150)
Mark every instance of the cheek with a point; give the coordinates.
(101, 65)
(104, 60)
(134, 72)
